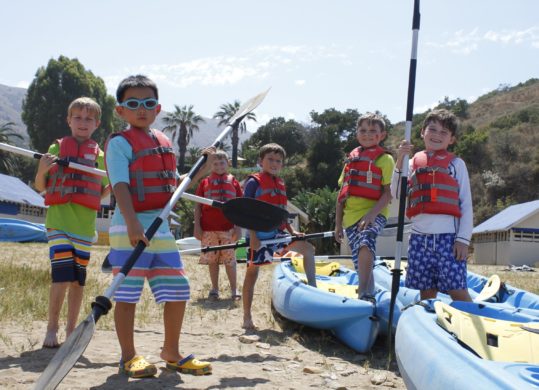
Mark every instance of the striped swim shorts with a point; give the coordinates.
(69, 254)
(160, 263)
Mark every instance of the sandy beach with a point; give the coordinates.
(279, 355)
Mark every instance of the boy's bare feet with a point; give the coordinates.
(248, 324)
(51, 339)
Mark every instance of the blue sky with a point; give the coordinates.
(314, 54)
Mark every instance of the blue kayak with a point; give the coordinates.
(434, 357)
(332, 306)
(16, 230)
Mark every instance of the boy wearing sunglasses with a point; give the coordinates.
(141, 166)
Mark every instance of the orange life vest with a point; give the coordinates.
(71, 185)
(431, 189)
(362, 178)
(152, 174)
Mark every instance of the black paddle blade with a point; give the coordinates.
(253, 214)
(67, 356)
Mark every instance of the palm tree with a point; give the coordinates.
(181, 124)
(8, 162)
(227, 111)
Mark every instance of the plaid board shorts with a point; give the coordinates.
(367, 237)
(432, 265)
(160, 263)
(212, 238)
(69, 255)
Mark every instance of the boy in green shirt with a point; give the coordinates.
(74, 197)
(362, 204)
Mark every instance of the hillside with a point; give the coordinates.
(486, 110)
(11, 108)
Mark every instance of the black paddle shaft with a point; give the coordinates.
(397, 272)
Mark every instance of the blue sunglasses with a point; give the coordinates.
(134, 104)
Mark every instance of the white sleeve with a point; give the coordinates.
(464, 231)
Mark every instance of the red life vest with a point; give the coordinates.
(219, 187)
(431, 189)
(272, 190)
(71, 185)
(362, 178)
(152, 174)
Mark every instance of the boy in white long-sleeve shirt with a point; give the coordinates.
(440, 208)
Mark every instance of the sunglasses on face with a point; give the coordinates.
(134, 104)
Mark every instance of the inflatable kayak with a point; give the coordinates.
(16, 230)
(333, 305)
(490, 343)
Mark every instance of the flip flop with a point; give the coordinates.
(190, 365)
(213, 295)
(137, 367)
(236, 297)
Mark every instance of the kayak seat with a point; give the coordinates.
(492, 333)
(323, 268)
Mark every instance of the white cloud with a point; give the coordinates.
(23, 84)
(467, 42)
(257, 63)
(299, 83)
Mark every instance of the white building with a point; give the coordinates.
(17, 200)
(509, 237)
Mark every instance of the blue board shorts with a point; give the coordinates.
(432, 265)
(264, 254)
(359, 238)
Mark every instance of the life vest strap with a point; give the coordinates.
(152, 151)
(426, 198)
(428, 186)
(153, 174)
(355, 172)
(363, 184)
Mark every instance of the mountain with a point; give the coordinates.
(11, 108)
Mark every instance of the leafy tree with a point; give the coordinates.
(457, 106)
(325, 154)
(181, 124)
(8, 163)
(320, 206)
(49, 95)
(227, 111)
(291, 135)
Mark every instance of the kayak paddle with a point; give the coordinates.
(396, 272)
(248, 213)
(287, 239)
(73, 348)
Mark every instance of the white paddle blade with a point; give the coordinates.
(67, 356)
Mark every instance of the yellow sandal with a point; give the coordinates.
(137, 367)
(190, 365)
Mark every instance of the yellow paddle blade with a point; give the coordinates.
(492, 339)
(490, 289)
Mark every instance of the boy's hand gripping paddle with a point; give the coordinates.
(72, 349)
